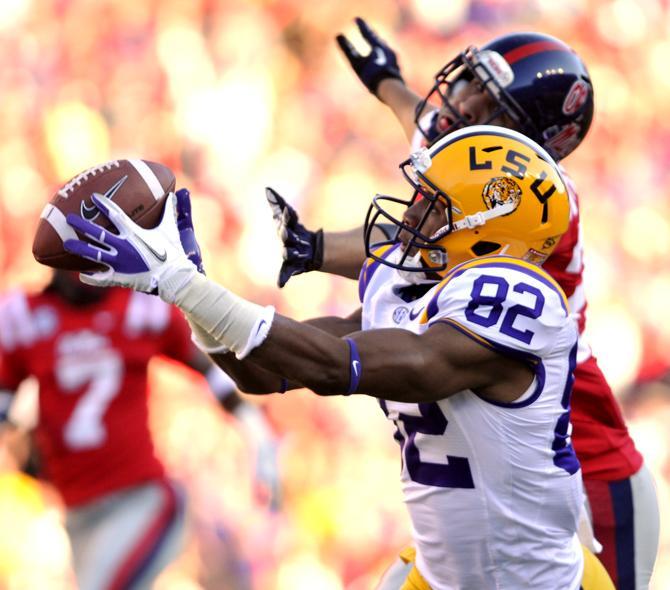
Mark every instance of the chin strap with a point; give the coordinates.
(415, 277)
(481, 217)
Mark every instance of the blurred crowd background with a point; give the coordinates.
(235, 95)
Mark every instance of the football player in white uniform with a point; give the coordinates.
(474, 370)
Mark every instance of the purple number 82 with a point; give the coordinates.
(491, 316)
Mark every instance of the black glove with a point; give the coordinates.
(303, 249)
(381, 63)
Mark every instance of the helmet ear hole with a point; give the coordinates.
(483, 248)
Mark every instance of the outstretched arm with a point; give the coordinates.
(379, 72)
(303, 250)
(390, 364)
(252, 377)
(331, 356)
(403, 102)
(344, 252)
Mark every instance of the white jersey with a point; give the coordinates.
(494, 490)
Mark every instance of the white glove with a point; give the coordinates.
(148, 260)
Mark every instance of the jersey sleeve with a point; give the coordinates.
(505, 304)
(11, 374)
(565, 263)
(148, 316)
(17, 334)
(177, 338)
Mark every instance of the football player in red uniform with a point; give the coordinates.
(538, 85)
(88, 349)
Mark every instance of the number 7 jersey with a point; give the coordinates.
(493, 489)
(91, 366)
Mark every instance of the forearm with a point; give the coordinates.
(326, 326)
(390, 364)
(402, 101)
(249, 376)
(337, 326)
(308, 356)
(344, 252)
(246, 376)
(252, 378)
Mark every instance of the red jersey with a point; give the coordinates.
(600, 436)
(91, 366)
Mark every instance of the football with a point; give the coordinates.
(139, 187)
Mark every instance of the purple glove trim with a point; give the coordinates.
(186, 230)
(113, 251)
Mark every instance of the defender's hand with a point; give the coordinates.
(148, 260)
(381, 63)
(302, 248)
(267, 482)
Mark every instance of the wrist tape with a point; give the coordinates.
(203, 340)
(233, 322)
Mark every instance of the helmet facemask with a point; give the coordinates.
(418, 243)
(535, 83)
(493, 75)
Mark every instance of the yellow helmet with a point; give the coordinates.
(503, 194)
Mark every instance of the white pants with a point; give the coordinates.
(125, 539)
(626, 522)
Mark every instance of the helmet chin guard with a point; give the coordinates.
(419, 275)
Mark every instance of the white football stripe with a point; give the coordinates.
(56, 219)
(149, 177)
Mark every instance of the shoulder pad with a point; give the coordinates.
(505, 302)
(370, 266)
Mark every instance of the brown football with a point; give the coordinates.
(139, 187)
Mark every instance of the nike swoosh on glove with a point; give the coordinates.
(378, 65)
(148, 260)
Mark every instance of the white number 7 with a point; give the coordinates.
(102, 373)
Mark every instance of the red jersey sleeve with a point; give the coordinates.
(15, 332)
(177, 343)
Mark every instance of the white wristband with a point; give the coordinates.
(229, 320)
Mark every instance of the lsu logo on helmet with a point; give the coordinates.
(501, 192)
